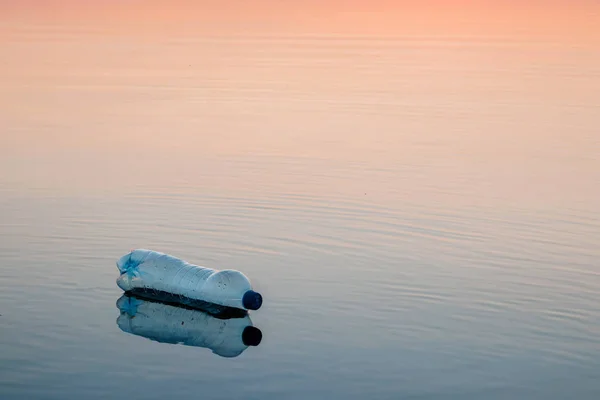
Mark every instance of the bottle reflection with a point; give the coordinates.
(225, 334)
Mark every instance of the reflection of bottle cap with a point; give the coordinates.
(251, 336)
(252, 300)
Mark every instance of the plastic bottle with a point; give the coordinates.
(151, 270)
(177, 325)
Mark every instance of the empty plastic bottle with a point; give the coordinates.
(177, 325)
(150, 270)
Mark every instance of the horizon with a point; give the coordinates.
(555, 21)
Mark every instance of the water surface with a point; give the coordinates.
(421, 216)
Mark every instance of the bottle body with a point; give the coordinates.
(151, 270)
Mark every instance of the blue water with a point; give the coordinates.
(422, 219)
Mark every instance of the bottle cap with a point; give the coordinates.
(252, 300)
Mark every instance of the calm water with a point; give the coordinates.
(421, 216)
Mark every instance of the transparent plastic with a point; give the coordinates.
(150, 270)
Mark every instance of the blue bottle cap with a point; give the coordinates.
(252, 300)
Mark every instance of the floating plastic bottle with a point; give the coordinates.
(150, 270)
(166, 323)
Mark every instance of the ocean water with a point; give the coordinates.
(421, 216)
